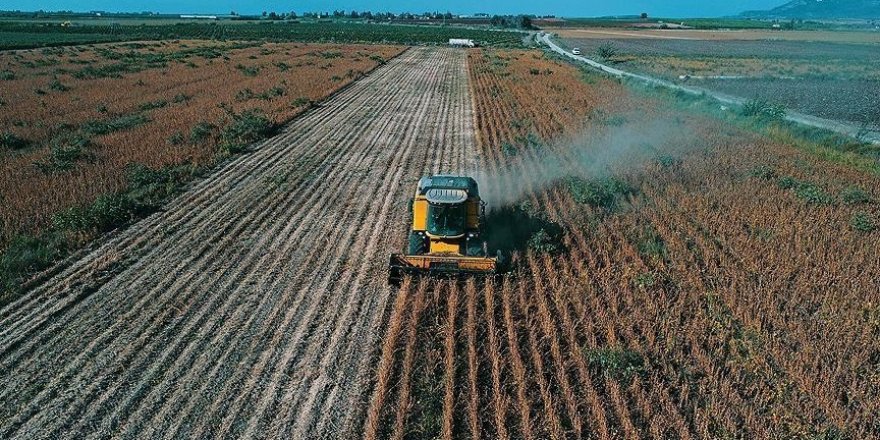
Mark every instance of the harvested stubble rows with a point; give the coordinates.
(707, 301)
(140, 103)
(252, 305)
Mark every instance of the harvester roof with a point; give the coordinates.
(449, 182)
(448, 190)
(443, 196)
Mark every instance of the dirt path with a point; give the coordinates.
(252, 305)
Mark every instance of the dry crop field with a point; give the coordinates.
(73, 120)
(674, 276)
(251, 306)
(709, 284)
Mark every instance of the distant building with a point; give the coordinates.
(200, 17)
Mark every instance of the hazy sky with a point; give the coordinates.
(570, 8)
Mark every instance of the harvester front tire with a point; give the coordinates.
(394, 275)
(475, 249)
(418, 244)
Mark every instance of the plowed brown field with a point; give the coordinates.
(252, 305)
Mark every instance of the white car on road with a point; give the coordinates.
(576, 51)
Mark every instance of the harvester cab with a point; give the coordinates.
(445, 235)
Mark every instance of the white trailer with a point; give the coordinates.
(461, 42)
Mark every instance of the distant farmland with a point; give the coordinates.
(25, 34)
(835, 80)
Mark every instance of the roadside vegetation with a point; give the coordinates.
(696, 23)
(768, 119)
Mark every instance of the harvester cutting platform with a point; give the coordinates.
(445, 236)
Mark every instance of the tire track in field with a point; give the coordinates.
(323, 284)
(318, 212)
(248, 307)
(269, 275)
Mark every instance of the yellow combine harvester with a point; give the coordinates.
(445, 236)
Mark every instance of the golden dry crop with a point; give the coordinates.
(139, 104)
(713, 299)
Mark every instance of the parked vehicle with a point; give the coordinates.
(461, 42)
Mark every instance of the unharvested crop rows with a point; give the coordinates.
(558, 99)
(709, 303)
(251, 305)
(194, 85)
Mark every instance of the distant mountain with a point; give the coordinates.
(822, 9)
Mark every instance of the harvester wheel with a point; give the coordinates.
(501, 262)
(394, 277)
(418, 245)
(475, 249)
